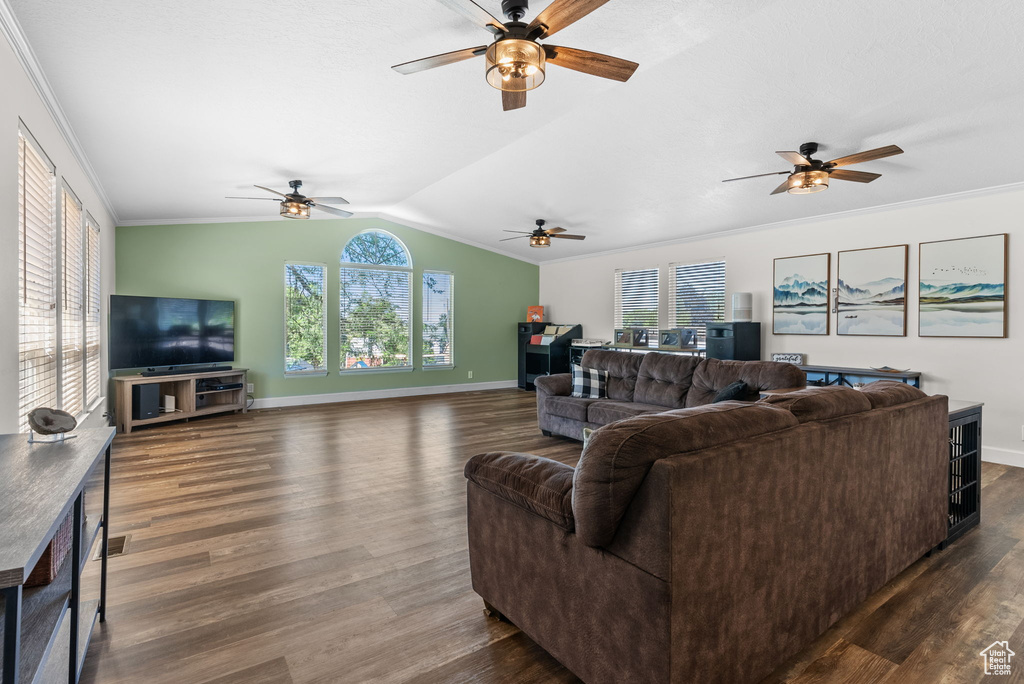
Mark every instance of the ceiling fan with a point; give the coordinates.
(516, 62)
(296, 205)
(541, 237)
(812, 175)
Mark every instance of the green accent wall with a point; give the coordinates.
(245, 262)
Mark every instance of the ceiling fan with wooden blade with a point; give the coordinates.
(296, 205)
(516, 62)
(541, 237)
(812, 175)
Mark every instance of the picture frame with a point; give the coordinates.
(797, 359)
(871, 291)
(963, 287)
(624, 337)
(640, 337)
(801, 295)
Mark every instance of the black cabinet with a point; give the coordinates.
(543, 359)
(964, 468)
(734, 341)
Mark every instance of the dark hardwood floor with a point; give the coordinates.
(328, 544)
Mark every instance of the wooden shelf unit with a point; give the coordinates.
(189, 402)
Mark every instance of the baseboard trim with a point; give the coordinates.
(1010, 457)
(364, 395)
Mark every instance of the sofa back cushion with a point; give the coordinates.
(714, 375)
(622, 370)
(664, 379)
(883, 393)
(618, 456)
(821, 403)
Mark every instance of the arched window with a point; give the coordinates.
(375, 303)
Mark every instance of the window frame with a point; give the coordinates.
(451, 318)
(315, 373)
(618, 315)
(49, 389)
(409, 270)
(66, 317)
(673, 300)
(91, 228)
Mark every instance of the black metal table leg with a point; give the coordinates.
(106, 536)
(76, 587)
(12, 634)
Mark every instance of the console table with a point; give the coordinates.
(837, 375)
(46, 630)
(189, 401)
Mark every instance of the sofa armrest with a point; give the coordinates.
(538, 485)
(557, 385)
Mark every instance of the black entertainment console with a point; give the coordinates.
(153, 372)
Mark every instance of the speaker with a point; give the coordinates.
(742, 307)
(734, 341)
(145, 401)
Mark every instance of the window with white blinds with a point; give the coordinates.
(375, 303)
(438, 331)
(72, 374)
(636, 301)
(37, 296)
(305, 345)
(93, 284)
(697, 295)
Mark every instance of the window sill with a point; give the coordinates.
(439, 368)
(306, 374)
(398, 369)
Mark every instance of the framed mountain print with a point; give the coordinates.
(871, 297)
(963, 287)
(800, 300)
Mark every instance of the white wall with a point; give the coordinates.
(21, 100)
(989, 370)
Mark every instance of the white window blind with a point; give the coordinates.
(305, 319)
(438, 330)
(94, 283)
(697, 296)
(72, 376)
(375, 303)
(636, 301)
(37, 302)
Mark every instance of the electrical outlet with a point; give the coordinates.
(250, 388)
(470, 375)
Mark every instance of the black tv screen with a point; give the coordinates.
(147, 332)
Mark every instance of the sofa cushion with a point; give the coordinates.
(820, 403)
(618, 456)
(604, 412)
(536, 484)
(622, 370)
(883, 393)
(573, 408)
(714, 375)
(589, 383)
(664, 379)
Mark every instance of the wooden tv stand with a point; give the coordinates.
(188, 402)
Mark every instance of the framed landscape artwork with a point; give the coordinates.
(963, 287)
(800, 300)
(871, 294)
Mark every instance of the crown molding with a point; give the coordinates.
(383, 216)
(15, 35)
(937, 199)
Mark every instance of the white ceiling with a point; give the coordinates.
(178, 104)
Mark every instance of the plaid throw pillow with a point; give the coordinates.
(589, 383)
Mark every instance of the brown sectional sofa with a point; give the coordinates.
(640, 384)
(710, 544)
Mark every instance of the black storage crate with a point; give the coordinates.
(964, 471)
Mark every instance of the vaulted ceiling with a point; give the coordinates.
(178, 104)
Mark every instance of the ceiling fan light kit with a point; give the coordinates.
(515, 62)
(540, 240)
(811, 175)
(294, 210)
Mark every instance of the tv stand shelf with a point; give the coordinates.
(189, 401)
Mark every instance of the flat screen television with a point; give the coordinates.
(148, 332)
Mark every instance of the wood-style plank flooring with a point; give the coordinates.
(328, 544)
